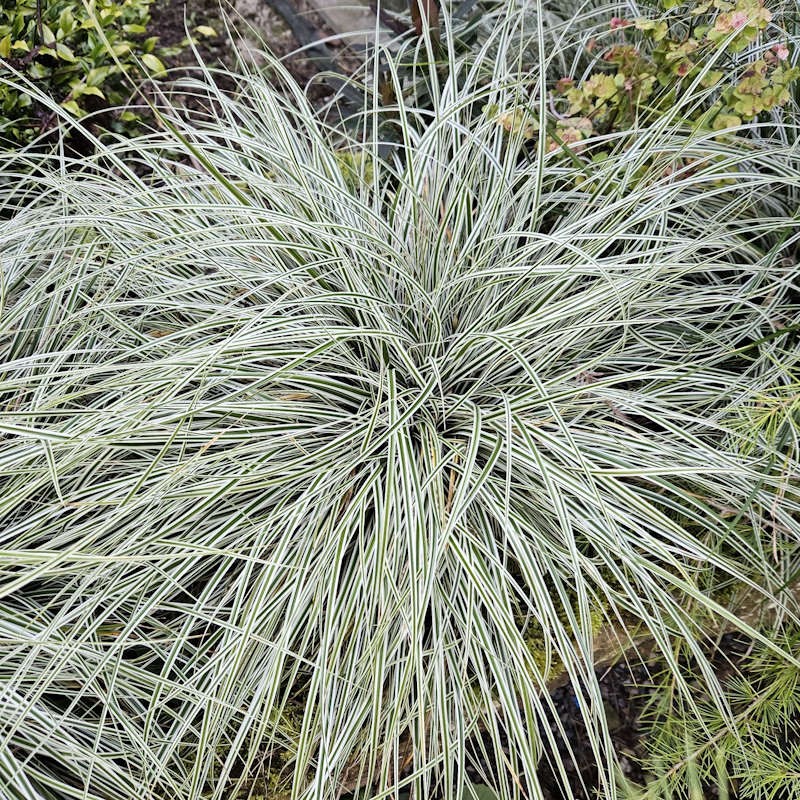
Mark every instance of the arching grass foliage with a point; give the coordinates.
(297, 460)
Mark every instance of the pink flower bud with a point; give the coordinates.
(731, 21)
(738, 20)
(781, 52)
(564, 84)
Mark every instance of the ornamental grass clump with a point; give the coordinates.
(297, 461)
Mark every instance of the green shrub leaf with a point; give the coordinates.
(154, 64)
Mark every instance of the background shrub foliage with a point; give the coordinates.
(78, 54)
(322, 451)
(640, 67)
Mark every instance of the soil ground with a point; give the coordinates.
(256, 27)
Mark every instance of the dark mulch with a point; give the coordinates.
(626, 688)
(287, 29)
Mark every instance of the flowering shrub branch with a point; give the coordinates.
(654, 61)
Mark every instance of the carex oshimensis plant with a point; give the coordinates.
(321, 458)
